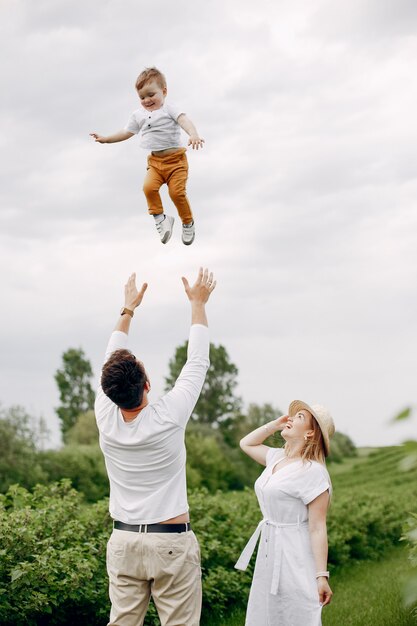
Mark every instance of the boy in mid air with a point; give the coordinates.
(160, 126)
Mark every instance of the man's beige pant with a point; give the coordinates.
(164, 565)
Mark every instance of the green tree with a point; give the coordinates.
(83, 465)
(212, 464)
(75, 391)
(341, 446)
(217, 400)
(19, 437)
(85, 431)
(240, 424)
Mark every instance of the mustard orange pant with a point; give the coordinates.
(172, 170)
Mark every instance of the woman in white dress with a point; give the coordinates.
(290, 582)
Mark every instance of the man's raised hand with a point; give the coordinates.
(133, 297)
(202, 288)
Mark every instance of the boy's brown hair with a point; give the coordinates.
(148, 74)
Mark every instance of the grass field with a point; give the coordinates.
(370, 593)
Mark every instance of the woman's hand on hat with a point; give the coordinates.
(281, 422)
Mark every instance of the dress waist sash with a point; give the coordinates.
(249, 549)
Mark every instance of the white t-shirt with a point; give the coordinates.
(159, 129)
(145, 458)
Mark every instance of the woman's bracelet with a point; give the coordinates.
(325, 574)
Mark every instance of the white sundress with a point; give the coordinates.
(284, 586)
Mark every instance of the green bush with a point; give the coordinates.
(223, 523)
(341, 447)
(212, 464)
(82, 465)
(361, 527)
(214, 459)
(52, 561)
(52, 556)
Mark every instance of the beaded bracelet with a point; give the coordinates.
(326, 574)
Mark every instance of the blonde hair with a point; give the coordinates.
(148, 74)
(314, 449)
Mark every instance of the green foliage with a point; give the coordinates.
(240, 424)
(51, 558)
(214, 459)
(403, 415)
(81, 461)
(409, 464)
(75, 392)
(341, 447)
(212, 464)
(52, 561)
(82, 465)
(410, 589)
(19, 436)
(223, 524)
(369, 504)
(217, 400)
(85, 431)
(22, 463)
(409, 461)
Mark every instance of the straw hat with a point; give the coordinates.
(322, 416)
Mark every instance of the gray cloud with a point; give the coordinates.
(304, 195)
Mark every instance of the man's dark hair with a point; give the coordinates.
(123, 379)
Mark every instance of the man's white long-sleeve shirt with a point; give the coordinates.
(145, 458)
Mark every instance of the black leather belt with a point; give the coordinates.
(153, 528)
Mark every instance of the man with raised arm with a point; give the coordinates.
(152, 550)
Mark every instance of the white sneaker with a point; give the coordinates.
(188, 233)
(164, 228)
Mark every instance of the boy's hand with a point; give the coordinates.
(196, 142)
(121, 135)
(133, 297)
(98, 138)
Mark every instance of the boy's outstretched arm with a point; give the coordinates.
(186, 124)
(122, 135)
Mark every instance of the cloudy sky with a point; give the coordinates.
(304, 196)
